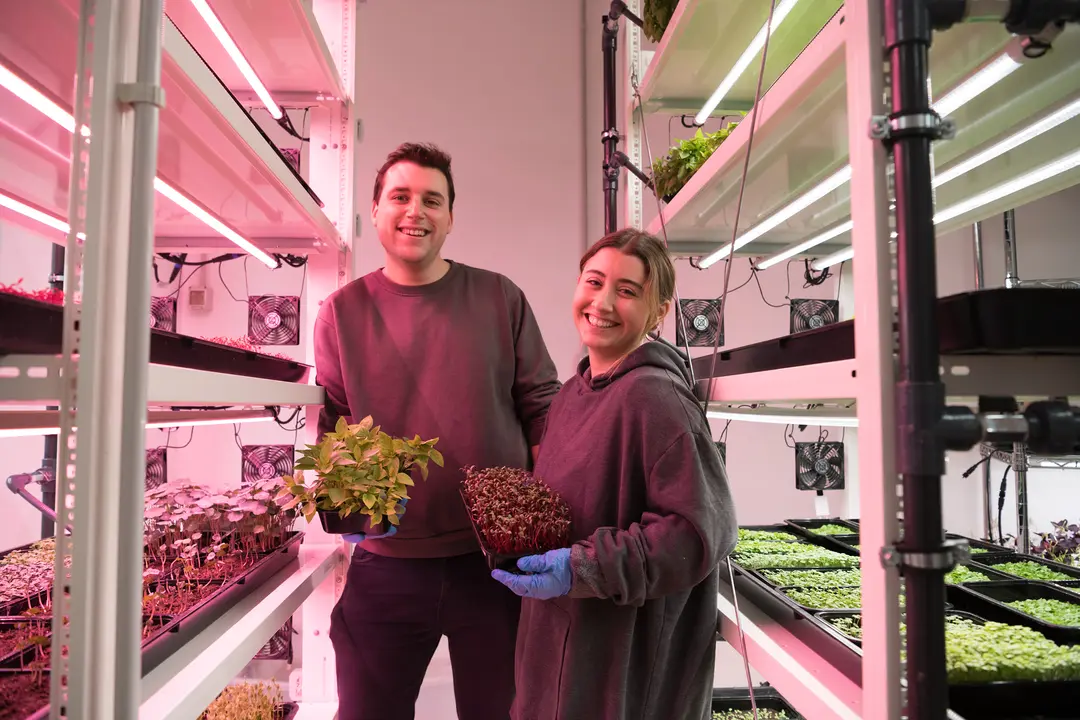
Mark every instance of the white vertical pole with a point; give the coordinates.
(632, 60)
(873, 351)
(102, 499)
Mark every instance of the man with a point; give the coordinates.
(434, 348)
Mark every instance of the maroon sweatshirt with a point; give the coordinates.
(632, 454)
(461, 360)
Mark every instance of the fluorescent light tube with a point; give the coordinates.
(779, 13)
(785, 213)
(804, 246)
(237, 57)
(65, 120)
(1039, 174)
(780, 418)
(198, 211)
(835, 259)
(993, 72)
(1015, 140)
(37, 100)
(34, 214)
(38, 426)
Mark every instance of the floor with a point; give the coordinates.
(436, 701)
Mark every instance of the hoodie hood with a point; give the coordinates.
(652, 354)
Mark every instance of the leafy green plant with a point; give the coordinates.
(832, 529)
(850, 626)
(1061, 544)
(766, 535)
(1031, 571)
(672, 171)
(655, 15)
(998, 652)
(246, 701)
(358, 469)
(1057, 612)
(964, 574)
(762, 714)
(814, 578)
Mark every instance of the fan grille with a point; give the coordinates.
(274, 319)
(701, 319)
(819, 465)
(157, 467)
(163, 313)
(813, 314)
(262, 462)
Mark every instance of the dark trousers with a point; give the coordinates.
(390, 619)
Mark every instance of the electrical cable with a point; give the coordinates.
(1001, 503)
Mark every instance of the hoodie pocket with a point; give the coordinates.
(543, 639)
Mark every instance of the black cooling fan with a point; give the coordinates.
(819, 466)
(274, 319)
(163, 313)
(157, 467)
(263, 462)
(701, 319)
(813, 314)
(721, 446)
(279, 646)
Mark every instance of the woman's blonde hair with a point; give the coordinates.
(659, 271)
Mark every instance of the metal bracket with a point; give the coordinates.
(884, 127)
(609, 134)
(140, 93)
(952, 552)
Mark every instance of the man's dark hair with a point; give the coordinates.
(422, 154)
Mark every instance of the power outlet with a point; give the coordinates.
(200, 298)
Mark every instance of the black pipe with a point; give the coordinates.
(48, 460)
(610, 135)
(921, 395)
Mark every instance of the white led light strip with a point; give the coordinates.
(993, 72)
(780, 418)
(12, 82)
(40, 429)
(238, 58)
(1040, 174)
(782, 10)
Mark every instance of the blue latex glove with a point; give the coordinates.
(551, 575)
(361, 537)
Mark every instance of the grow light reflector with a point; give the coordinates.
(237, 57)
(782, 10)
(785, 213)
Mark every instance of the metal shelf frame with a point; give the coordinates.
(102, 384)
(845, 61)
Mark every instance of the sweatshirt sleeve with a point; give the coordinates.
(687, 531)
(328, 372)
(536, 381)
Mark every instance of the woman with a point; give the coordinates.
(622, 625)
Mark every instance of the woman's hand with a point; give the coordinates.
(550, 576)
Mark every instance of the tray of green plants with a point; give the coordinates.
(1052, 611)
(1028, 567)
(824, 526)
(735, 704)
(777, 546)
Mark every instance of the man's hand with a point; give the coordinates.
(551, 575)
(361, 537)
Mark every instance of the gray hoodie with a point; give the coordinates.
(632, 453)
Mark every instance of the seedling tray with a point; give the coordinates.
(494, 560)
(806, 525)
(765, 697)
(182, 628)
(988, 600)
(764, 580)
(37, 328)
(855, 643)
(1072, 572)
(17, 659)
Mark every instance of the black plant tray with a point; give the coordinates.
(287, 711)
(182, 628)
(995, 321)
(987, 600)
(760, 576)
(495, 561)
(1072, 572)
(37, 328)
(765, 697)
(807, 524)
(822, 541)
